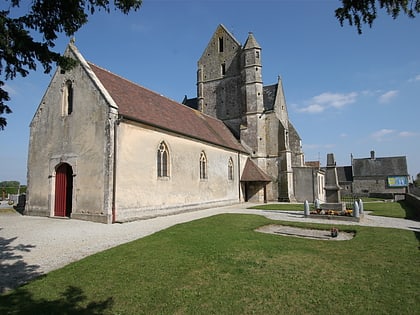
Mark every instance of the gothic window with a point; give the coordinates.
(220, 44)
(162, 160)
(68, 98)
(203, 166)
(230, 169)
(223, 68)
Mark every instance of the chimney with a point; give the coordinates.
(372, 155)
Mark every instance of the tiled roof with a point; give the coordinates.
(140, 104)
(252, 173)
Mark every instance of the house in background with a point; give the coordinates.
(380, 176)
(345, 179)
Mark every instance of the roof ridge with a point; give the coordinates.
(151, 91)
(155, 109)
(134, 83)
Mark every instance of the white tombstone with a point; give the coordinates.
(361, 209)
(356, 213)
(306, 208)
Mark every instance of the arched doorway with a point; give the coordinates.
(63, 190)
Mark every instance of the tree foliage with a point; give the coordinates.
(20, 53)
(11, 187)
(359, 12)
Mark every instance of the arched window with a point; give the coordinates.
(230, 169)
(68, 98)
(162, 160)
(203, 165)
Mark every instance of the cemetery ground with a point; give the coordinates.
(376, 206)
(220, 265)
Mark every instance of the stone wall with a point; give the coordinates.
(414, 202)
(142, 194)
(374, 185)
(55, 138)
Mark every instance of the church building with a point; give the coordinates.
(105, 149)
(230, 88)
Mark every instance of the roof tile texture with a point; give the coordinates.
(252, 173)
(140, 104)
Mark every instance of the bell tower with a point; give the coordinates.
(253, 133)
(219, 79)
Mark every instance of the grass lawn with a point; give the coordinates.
(219, 265)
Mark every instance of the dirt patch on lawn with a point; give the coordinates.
(305, 233)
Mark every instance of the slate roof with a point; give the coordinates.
(190, 102)
(269, 94)
(252, 173)
(386, 166)
(344, 173)
(142, 105)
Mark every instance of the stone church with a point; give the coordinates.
(105, 149)
(230, 87)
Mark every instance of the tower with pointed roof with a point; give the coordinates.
(230, 87)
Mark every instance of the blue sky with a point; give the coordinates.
(346, 93)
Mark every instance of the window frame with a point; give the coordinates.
(203, 166)
(68, 98)
(162, 161)
(230, 169)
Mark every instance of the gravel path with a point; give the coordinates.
(32, 246)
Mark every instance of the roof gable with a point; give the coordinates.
(140, 104)
(252, 173)
(220, 32)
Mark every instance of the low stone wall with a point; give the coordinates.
(414, 202)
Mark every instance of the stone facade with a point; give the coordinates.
(82, 139)
(95, 144)
(105, 149)
(371, 176)
(230, 87)
(374, 176)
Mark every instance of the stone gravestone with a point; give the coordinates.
(332, 189)
(317, 204)
(306, 210)
(356, 213)
(361, 206)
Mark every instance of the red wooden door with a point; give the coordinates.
(63, 190)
